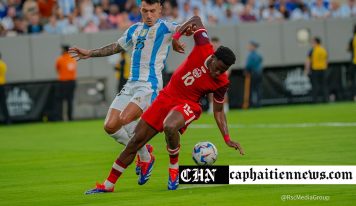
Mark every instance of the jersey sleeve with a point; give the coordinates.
(219, 94)
(201, 37)
(172, 26)
(125, 41)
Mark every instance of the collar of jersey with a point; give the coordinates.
(206, 62)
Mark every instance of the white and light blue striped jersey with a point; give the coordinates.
(150, 47)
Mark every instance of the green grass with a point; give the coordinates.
(54, 163)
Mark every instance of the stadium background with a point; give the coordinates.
(54, 163)
(284, 44)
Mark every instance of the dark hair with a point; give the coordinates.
(0, 55)
(225, 55)
(153, 1)
(65, 47)
(317, 40)
(355, 29)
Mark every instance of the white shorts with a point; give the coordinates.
(139, 93)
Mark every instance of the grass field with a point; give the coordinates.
(54, 163)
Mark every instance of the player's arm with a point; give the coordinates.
(188, 28)
(79, 53)
(122, 44)
(220, 118)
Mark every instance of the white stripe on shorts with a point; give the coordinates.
(190, 120)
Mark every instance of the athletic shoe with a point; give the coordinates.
(138, 161)
(146, 170)
(173, 179)
(100, 188)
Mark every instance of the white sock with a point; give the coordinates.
(108, 184)
(174, 166)
(121, 136)
(143, 152)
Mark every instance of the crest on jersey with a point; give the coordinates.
(197, 73)
(205, 35)
(151, 34)
(143, 32)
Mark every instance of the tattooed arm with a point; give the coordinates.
(79, 53)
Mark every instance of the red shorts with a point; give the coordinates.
(160, 108)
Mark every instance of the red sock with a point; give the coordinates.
(117, 169)
(173, 159)
(173, 156)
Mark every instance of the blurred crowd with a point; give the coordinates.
(72, 16)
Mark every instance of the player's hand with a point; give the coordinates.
(178, 46)
(190, 30)
(236, 145)
(78, 53)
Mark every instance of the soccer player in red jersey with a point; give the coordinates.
(177, 105)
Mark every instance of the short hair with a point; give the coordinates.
(153, 1)
(0, 55)
(355, 29)
(65, 47)
(225, 55)
(317, 40)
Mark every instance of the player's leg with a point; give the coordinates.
(112, 123)
(118, 116)
(324, 86)
(171, 125)
(145, 153)
(143, 134)
(210, 100)
(142, 98)
(120, 113)
(121, 125)
(314, 86)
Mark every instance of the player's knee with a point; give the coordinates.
(110, 128)
(125, 119)
(170, 129)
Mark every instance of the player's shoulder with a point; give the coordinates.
(167, 22)
(135, 25)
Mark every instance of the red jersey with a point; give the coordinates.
(192, 80)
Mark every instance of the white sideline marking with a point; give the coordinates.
(295, 125)
(185, 187)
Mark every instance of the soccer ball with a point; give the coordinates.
(204, 153)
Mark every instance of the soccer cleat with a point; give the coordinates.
(173, 179)
(138, 161)
(99, 188)
(145, 170)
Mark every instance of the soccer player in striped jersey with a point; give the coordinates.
(177, 105)
(150, 41)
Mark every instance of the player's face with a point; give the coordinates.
(150, 13)
(217, 67)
